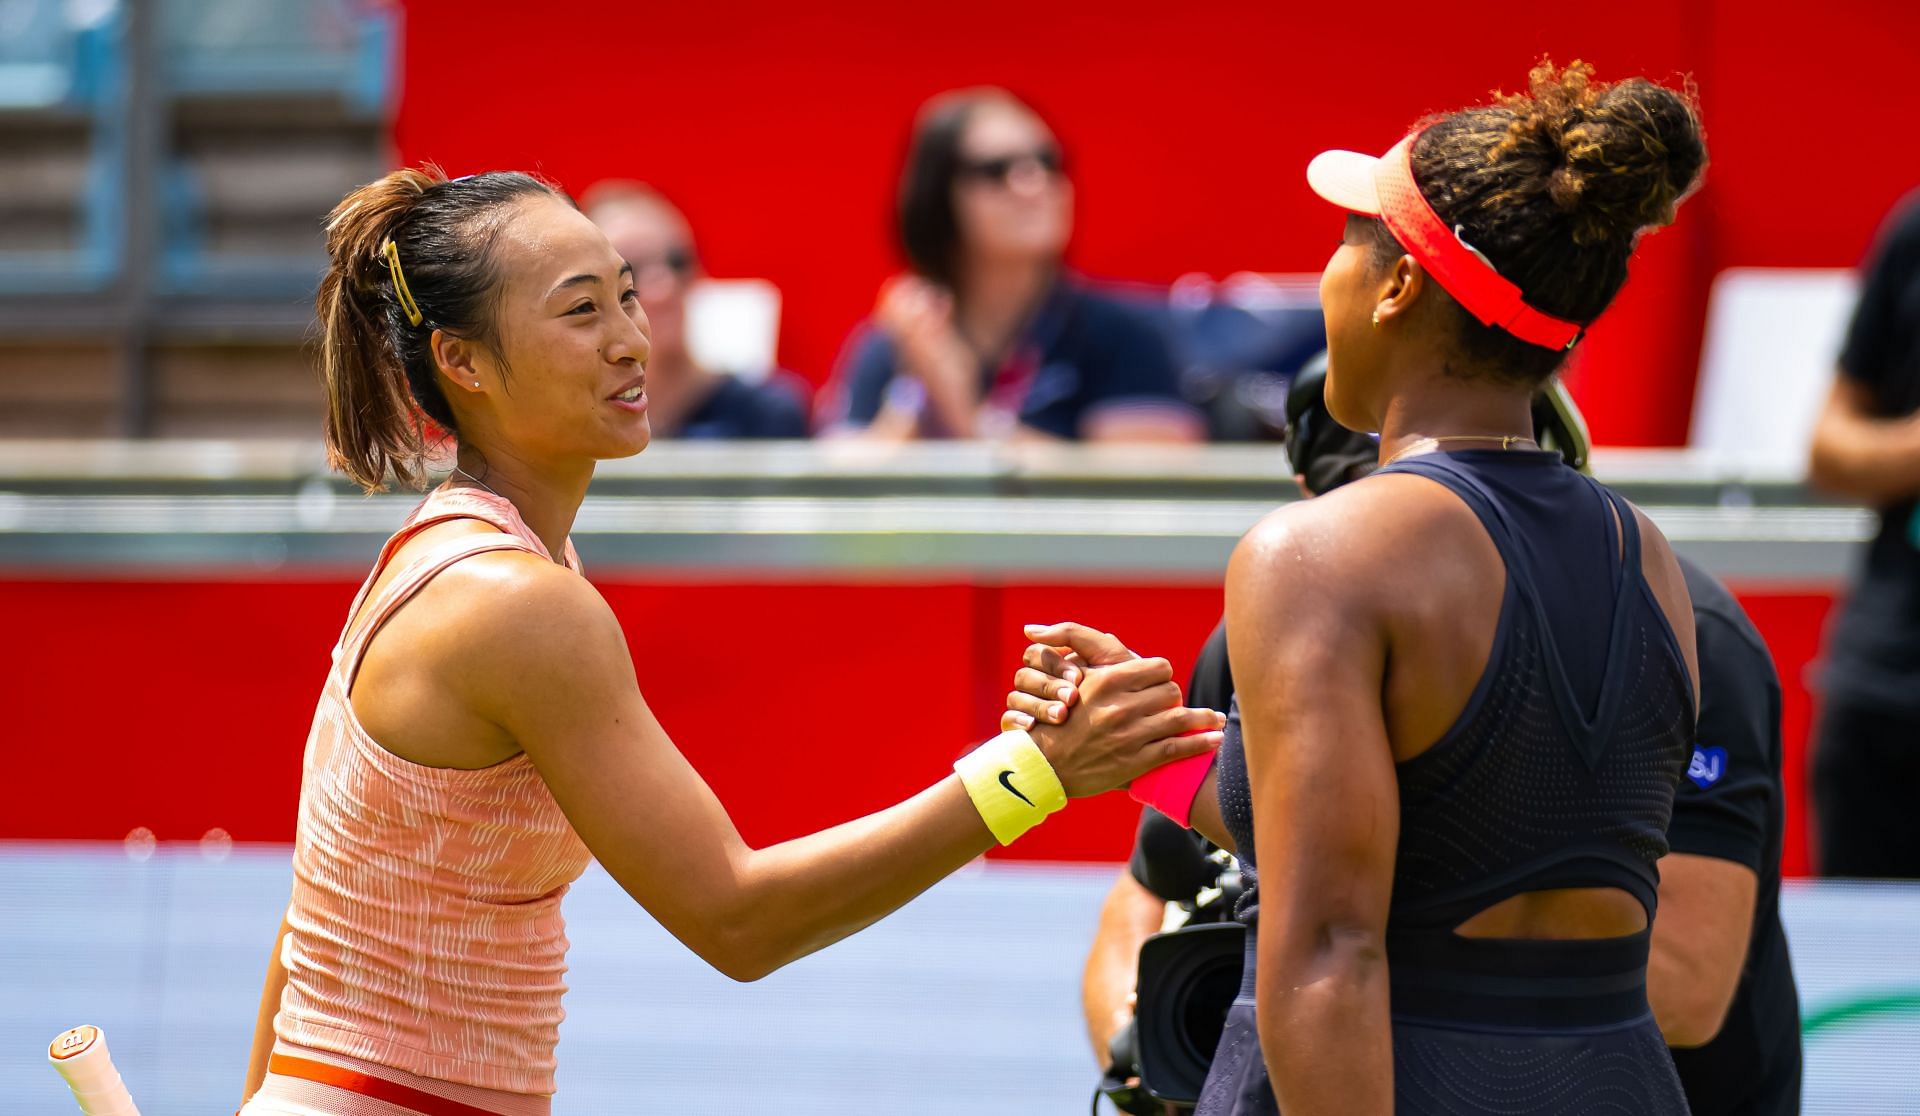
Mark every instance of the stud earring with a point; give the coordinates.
(1376, 325)
(1376, 321)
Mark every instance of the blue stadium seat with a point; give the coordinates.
(1238, 342)
(278, 109)
(251, 48)
(62, 123)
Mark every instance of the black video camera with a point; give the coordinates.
(1188, 978)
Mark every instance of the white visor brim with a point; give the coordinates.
(1346, 178)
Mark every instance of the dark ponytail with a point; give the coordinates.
(383, 394)
(1556, 186)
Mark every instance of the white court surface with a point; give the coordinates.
(964, 1002)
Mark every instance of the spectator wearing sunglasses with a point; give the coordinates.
(988, 335)
(686, 400)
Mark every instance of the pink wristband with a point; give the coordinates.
(1171, 788)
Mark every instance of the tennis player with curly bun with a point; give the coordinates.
(1466, 683)
(481, 733)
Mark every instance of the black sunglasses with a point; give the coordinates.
(678, 260)
(1001, 169)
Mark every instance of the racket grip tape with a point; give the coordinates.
(81, 1057)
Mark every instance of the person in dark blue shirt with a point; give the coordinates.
(989, 336)
(686, 401)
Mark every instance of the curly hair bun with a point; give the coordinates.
(1622, 156)
(1554, 186)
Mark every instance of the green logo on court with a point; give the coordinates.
(1844, 1012)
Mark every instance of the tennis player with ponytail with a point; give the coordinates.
(1466, 683)
(481, 733)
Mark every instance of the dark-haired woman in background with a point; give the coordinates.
(481, 734)
(989, 336)
(1466, 682)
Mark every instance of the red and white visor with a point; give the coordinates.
(1384, 188)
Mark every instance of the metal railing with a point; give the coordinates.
(969, 509)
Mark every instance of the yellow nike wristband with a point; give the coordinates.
(1011, 784)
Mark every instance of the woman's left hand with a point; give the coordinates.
(1046, 686)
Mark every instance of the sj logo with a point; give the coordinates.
(1707, 766)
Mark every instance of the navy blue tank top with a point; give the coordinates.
(1561, 769)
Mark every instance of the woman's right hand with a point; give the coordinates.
(1124, 717)
(918, 315)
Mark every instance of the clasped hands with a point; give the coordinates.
(1102, 714)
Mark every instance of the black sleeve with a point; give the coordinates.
(1211, 684)
(1877, 334)
(1732, 779)
(1168, 860)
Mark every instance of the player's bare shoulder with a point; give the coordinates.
(1372, 532)
(506, 604)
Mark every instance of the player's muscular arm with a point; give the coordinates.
(1309, 657)
(551, 667)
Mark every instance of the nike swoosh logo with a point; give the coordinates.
(1006, 780)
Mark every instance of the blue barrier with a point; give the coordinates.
(70, 62)
(51, 65)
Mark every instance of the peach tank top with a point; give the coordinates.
(424, 932)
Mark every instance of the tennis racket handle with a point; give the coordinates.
(82, 1059)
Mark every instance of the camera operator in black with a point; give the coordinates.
(1866, 446)
(1719, 977)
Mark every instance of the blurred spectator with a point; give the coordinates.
(989, 336)
(1866, 446)
(685, 400)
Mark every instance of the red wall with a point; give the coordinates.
(131, 707)
(1792, 624)
(778, 128)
